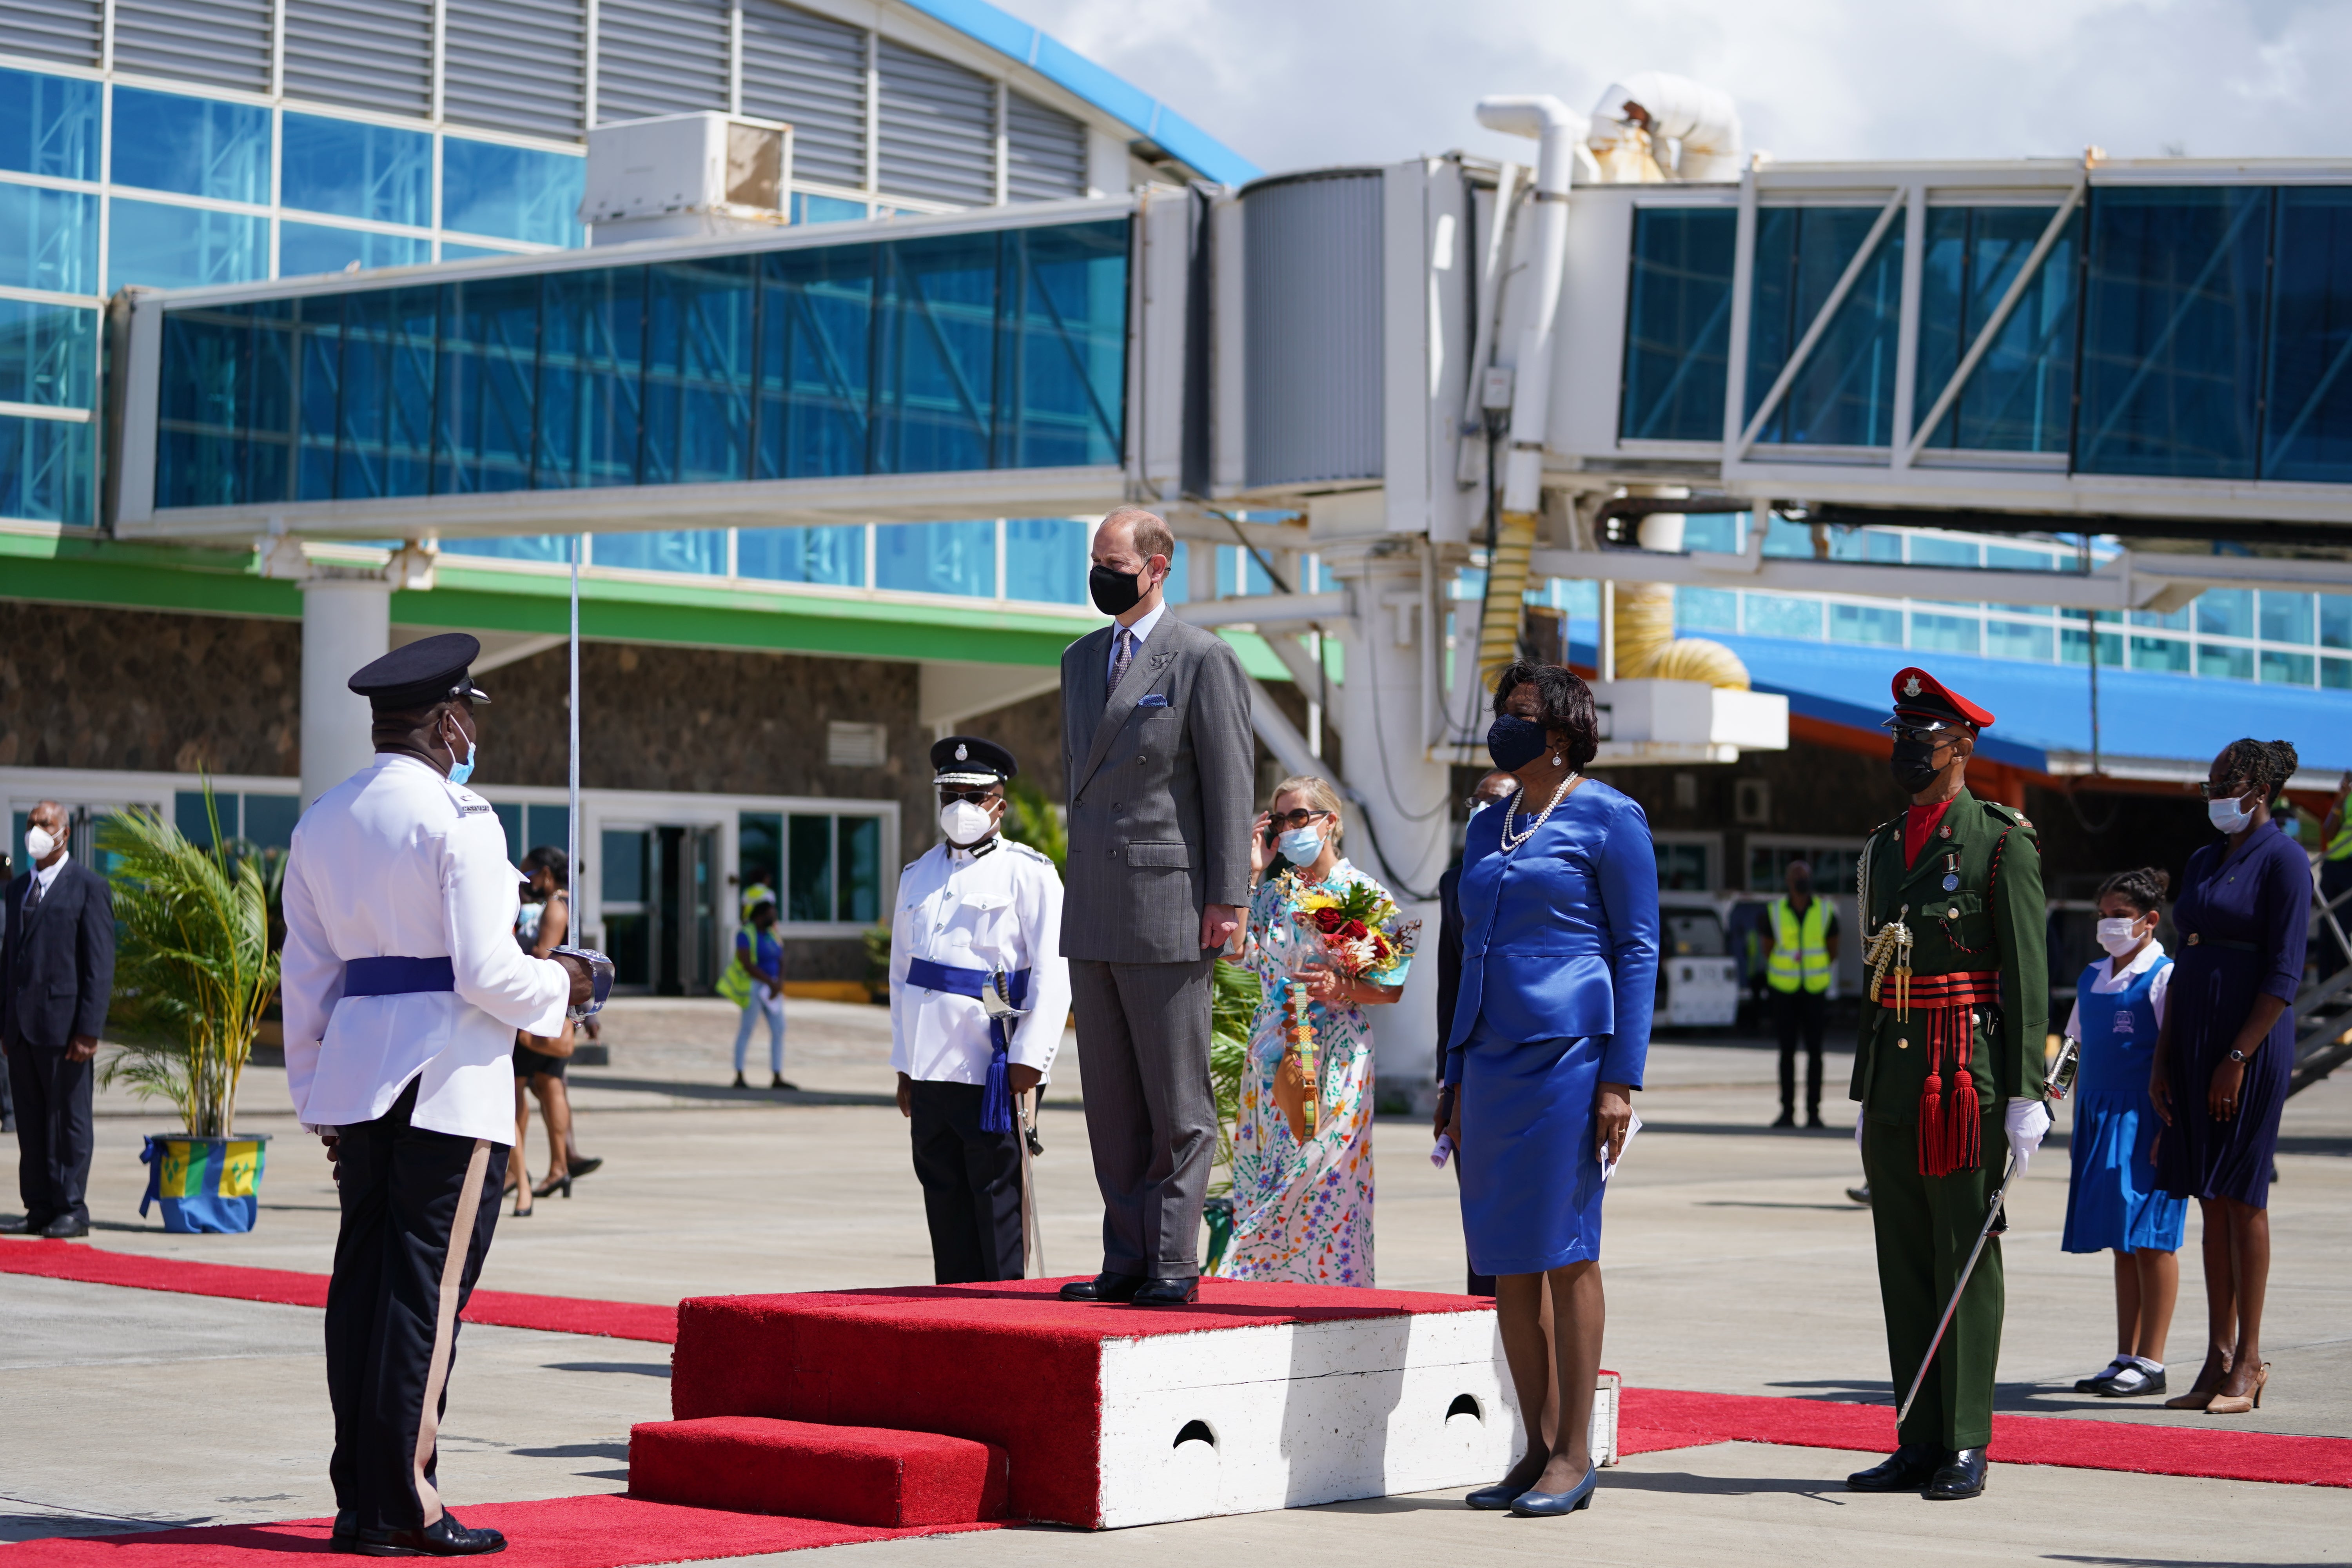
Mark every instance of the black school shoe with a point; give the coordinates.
(2129, 1382)
(1906, 1470)
(2097, 1381)
(445, 1537)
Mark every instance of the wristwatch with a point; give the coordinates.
(2238, 1056)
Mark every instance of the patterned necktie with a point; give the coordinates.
(1122, 654)
(33, 896)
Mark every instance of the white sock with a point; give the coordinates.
(2115, 1365)
(2153, 1368)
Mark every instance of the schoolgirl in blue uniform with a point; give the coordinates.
(2114, 1201)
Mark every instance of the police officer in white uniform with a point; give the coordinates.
(403, 989)
(975, 906)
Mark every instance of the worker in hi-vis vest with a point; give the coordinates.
(1800, 945)
(2336, 866)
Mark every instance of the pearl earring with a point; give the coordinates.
(1559, 760)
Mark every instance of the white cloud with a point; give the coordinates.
(1299, 83)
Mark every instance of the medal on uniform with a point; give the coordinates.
(1951, 873)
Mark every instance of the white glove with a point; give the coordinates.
(1860, 1115)
(2026, 1121)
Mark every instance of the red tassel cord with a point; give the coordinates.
(1951, 1131)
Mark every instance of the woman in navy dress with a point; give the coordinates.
(1559, 965)
(2225, 1052)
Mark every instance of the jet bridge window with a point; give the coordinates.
(2019, 396)
(1844, 392)
(1677, 324)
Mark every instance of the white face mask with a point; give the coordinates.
(2228, 815)
(38, 843)
(2119, 936)
(1300, 846)
(964, 823)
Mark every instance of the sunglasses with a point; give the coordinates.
(979, 797)
(2227, 789)
(1292, 820)
(1925, 734)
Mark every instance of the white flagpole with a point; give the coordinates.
(572, 850)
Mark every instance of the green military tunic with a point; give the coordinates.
(1978, 1010)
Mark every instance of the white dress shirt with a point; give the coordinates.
(398, 862)
(46, 877)
(1141, 631)
(2106, 982)
(961, 911)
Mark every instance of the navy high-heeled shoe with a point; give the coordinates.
(1541, 1505)
(1493, 1499)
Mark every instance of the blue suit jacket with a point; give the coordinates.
(1560, 937)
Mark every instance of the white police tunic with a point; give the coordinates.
(961, 911)
(396, 861)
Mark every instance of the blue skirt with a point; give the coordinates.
(2115, 1201)
(1531, 1185)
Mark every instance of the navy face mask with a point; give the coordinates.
(1514, 742)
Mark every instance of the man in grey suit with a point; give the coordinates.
(1159, 761)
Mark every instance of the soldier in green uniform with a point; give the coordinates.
(1950, 1067)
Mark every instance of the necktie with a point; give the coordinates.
(32, 896)
(1122, 654)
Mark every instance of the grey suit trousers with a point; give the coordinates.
(1151, 1117)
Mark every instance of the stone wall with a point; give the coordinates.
(89, 688)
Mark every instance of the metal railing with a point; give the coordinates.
(2323, 1008)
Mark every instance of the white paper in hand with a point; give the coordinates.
(1608, 1165)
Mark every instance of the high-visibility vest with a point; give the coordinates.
(1801, 949)
(2340, 846)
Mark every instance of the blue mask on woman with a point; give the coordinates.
(1514, 742)
(1300, 846)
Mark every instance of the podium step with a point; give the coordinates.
(848, 1475)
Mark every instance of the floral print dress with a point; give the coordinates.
(1304, 1214)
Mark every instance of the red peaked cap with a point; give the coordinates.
(1920, 696)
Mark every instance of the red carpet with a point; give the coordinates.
(607, 1531)
(1651, 1419)
(858, 1475)
(505, 1308)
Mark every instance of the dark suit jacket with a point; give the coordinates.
(1161, 776)
(57, 970)
(1449, 956)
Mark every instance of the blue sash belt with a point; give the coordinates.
(996, 1097)
(397, 976)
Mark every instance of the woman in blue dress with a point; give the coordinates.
(2224, 1055)
(1560, 966)
(2113, 1202)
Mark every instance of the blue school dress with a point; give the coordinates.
(2115, 1201)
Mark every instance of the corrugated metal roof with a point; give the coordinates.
(1122, 100)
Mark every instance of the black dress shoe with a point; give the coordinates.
(345, 1536)
(1813, 1121)
(1905, 1471)
(1167, 1292)
(24, 1225)
(1105, 1287)
(445, 1537)
(1961, 1475)
(1787, 1117)
(65, 1227)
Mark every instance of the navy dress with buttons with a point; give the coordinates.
(2242, 921)
(1559, 969)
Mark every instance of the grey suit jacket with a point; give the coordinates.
(1161, 780)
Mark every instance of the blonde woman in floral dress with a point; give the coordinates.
(1303, 1210)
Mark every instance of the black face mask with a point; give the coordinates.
(1913, 764)
(1115, 593)
(1514, 742)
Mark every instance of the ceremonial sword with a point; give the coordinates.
(996, 1001)
(2062, 1080)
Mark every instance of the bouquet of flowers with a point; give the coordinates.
(1354, 932)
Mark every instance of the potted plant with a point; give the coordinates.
(194, 971)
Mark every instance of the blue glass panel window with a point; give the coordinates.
(2014, 639)
(2226, 612)
(225, 406)
(2172, 335)
(317, 400)
(2224, 661)
(48, 354)
(2307, 407)
(957, 558)
(1677, 324)
(183, 247)
(2018, 398)
(310, 248)
(548, 547)
(816, 318)
(810, 208)
(49, 125)
(511, 193)
(2170, 620)
(46, 469)
(452, 251)
(48, 240)
(1946, 634)
(1775, 615)
(935, 355)
(489, 354)
(1707, 610)
(2336, 674)
(1046, 560)
(1065, 312)
(383, 426)
(1178, 589)
(2075, 646)
(351, 170)
(2286, 668)
(2285, 617)
(2169, 654)
(591, 357)
(835, 555)
(1867, 623)
(1845, 393)
(190, 146)
(2335, 620)
(702, 551)
(698, 386)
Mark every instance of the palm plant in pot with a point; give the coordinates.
(194, 971)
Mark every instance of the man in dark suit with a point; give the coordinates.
(57, 974)
(1160, 760)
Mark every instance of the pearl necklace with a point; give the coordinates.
(1511, 842)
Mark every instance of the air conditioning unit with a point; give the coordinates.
(676, 176)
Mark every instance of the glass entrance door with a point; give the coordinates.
(659, 906)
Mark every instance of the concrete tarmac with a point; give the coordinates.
(1735, 1263)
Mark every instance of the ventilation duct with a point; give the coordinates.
(1655, 127)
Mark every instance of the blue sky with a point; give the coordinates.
(1296, 83)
